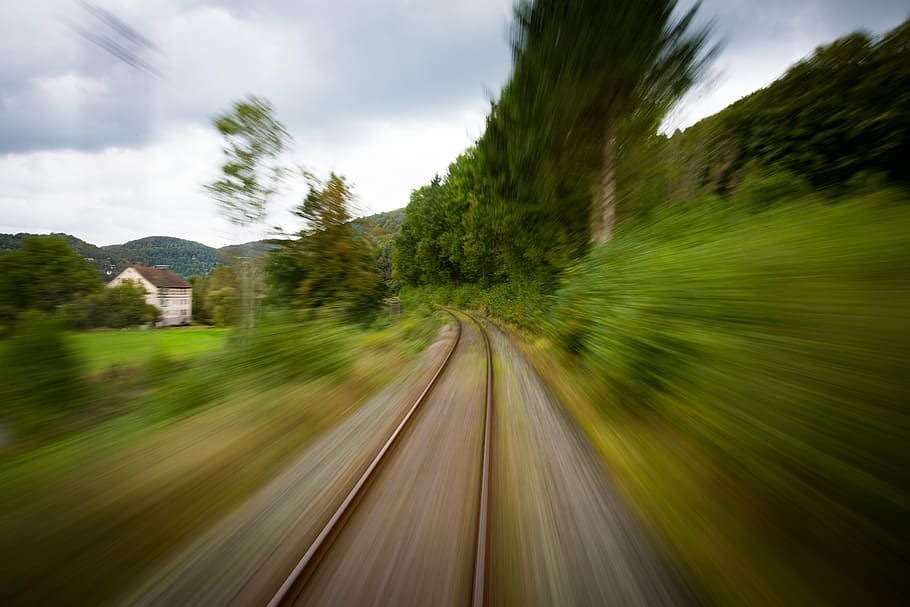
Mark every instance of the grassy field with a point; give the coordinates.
(101, 350)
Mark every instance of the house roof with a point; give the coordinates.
(161, 277)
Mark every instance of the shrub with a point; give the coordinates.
(40, 375)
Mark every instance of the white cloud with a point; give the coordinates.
(115, 195)
(386, 93)
(121, 194)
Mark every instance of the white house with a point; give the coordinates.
(164, 290)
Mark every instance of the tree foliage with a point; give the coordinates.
(589, 81)
(43, 275)
(842, 112)
(380, 230)
(526, 199)
(329, 263)
(253, 140)
(590, 77)
(116, 307)
(40, 374)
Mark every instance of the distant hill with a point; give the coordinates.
(185, 257)
(247, 249)
(381, 228)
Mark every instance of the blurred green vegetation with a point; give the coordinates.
(331, 263)
(521, 303)
(762, 352)
(102, 350)
(54, 381)
(518, 204)
(166, 441)
(779, 342)
(40, 375)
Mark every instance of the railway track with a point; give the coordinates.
(321, 547)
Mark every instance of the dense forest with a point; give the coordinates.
(519, 202)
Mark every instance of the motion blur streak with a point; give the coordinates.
(702, 381)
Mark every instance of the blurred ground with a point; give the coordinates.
(561, 534)
(411, 540)
(87, 515)
(246, 558)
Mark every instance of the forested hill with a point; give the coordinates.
(185, 257)
(380, 227)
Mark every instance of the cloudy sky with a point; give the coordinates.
(112, 148)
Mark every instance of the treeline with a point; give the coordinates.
(590, 80)
(185, 257)
(839, 117)
(331, 263)
(348, 263)
(569, 152)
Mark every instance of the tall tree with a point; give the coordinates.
(330, 263)
(602, 70)
(253, 142)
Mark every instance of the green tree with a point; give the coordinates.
(330, 263)
(120, 306)
(222, 304)
(421, 255)
(603, 72)
(45, 274)
(254, 141)
(40, 375)
(839, 114)
(200, 290)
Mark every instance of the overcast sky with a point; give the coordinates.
(113, 148)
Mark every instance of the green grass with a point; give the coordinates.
(100, 350)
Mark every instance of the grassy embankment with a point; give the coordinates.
(745, 377)
(83, 515)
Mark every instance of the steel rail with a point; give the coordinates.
(313, 555)
(480, 558)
